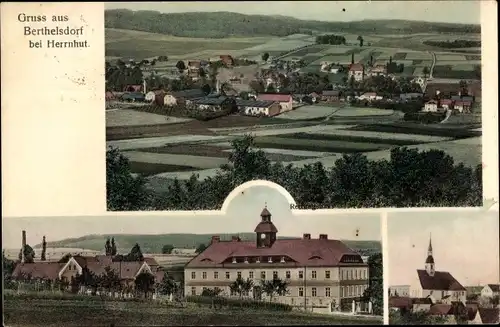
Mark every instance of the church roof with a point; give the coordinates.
(265, 213)
(440, 281)
(265, 227)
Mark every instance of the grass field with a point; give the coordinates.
(70, 313)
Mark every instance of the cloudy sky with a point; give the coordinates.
(467, 12)
(465, 243)
(242, 215)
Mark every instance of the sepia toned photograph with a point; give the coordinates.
(255, 265)
(443, 268)
(345, 104)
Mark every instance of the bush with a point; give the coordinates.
(240, 303)
(426, 118)
(64, 296)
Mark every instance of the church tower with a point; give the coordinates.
(429, 262)
(265, 230)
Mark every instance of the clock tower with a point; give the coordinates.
(265, 230)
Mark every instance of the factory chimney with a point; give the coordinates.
(23, 246)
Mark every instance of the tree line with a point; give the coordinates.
(410, 178)
(330, 39)
(454, 44)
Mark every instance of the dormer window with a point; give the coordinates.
(270, 259)
(246, 259)
(282, 259)
(257, 260)
(234, 260)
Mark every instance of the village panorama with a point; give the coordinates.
(258, 277)
(356, 114)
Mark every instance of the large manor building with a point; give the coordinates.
(319, 271)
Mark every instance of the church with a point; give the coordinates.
(319, 272)
(439, 286)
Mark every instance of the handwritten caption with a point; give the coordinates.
(41, 35)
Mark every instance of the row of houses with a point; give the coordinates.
(486, 291)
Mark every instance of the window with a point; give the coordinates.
(327, 292)
(193, 290)
(301, 274)
(301, 291)
(275, 275)
(282, 259)
(342, 291)
(238, 274)
(313, 274)
(287, 274)
(69, 267)
(204, 275)
(314, 291)
(442, 294)
(250, 274)
(193, 275)
(216, 275)
(356, 274)
(234, 260)
(327, 274)
(228, 275)
(364, 274)
(262, 275)
(257, 260)
(246, 259)
(350, 274)
(342, 277)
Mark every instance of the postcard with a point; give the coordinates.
(256, 264)
(443, 268)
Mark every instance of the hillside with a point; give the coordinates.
(154, 243)
(226, 24)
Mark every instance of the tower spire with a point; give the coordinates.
(429, 249)
(429, 262)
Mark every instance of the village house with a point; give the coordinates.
(378, 70)
(490, 290)
(193, 69)
(370, 96)
(258, 108)
(285, 100)
(431, 106)
(446, 104)
(410, 96)
(213, 104)
(132, 97)
(399, 290)
(440, 285)
(227, 60)
(180, 97)
(462, 106)
(357, 71)
(320, 272)
(330, 96)
(133, 88)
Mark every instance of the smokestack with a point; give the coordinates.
(323, 236)
(144, 85)
(23, 246)
(215, 239)
(307, 236)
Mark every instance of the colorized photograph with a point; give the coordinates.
(346, 104)
(443, 268)
(257, 264)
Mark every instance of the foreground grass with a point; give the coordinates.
(67, 313)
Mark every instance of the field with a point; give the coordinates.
(70, 312)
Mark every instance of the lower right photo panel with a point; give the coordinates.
(443, 267)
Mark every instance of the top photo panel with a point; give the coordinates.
(342, 104)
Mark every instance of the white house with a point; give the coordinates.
(357, 71)
(285, 100)
(431, 106)
(370, 96)
(258, 108)
(399, 290)
(440, 285)
(490, 290)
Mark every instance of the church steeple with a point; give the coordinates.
(265, 230)
(429, 262)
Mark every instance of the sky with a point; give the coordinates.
(464, 244)
(242, 215)
(464, 12)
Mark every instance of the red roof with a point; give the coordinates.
(462, 103)
(356, 67)
(275, 97)
(42, 270)
(441, 281)
(314, 252)
(400, 302)
(441, 309)
(489, 315)
(446, 101)
(227, 59)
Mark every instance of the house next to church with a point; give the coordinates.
(441, 286)
(320, 272)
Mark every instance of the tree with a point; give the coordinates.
(200, 248)
(426, 71)
(113, 250)
(107, 247)
(167, 285)
(135, 254)
(88, 279)
(109, 280)
(276, 286)
(125, 192)
(29, 254)
(44, 249)
(181, 66)
(145, 282)
(167, 249)
(241, 286)
(162, 58)
(265, 56)
(65, 258)
(360, 39)
(375, 290)
(7, 266)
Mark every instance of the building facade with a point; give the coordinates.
(318, 272)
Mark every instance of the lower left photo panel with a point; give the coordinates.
(263, 266)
